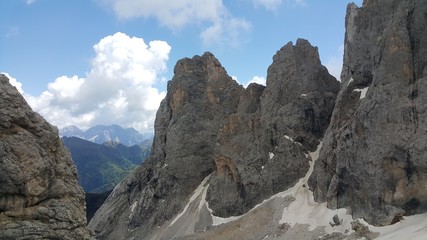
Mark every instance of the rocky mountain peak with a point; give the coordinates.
(297, 79)
(236, 140)
(40, 197)
(229, 162)
(294, 54)
(207, 64)
(200, 96)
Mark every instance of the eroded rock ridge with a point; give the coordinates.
(40, 197)
(252, 143)
(374, 154)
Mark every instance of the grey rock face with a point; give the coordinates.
(200, 96)
(374, 153)
(261, 148)
(209, 125)
(40, 197)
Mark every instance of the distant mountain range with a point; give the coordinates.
(101, 166)
(113, 133)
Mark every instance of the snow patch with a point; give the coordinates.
(201, 189)
(132, 208)
(304, 210)
(292, 140)
(301, 186)
(289, 138)
(303, 95)
(412, 227)
(262, 167)
(362, 91)
(350, 81)
(271, 155)
(219, 220)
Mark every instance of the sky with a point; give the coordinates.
(89, 62)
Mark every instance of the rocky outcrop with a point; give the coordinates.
(40, 197)
(200, 96)
(246, 144)
(374, 153)
(262, 148)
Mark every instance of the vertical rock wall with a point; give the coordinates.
(253, 142)
(374, 156)
(262, 148)
(40, 197)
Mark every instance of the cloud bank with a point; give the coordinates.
(119, 89)
(334, 63)
(217, 25)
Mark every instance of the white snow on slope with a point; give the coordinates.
(362, 91)
(289, 138)
(201, 189)
(292, 140)
(304, 210)
(132, 208)
(271, 155)
(292, 191)
(412, 227)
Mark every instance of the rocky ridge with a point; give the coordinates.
(373, 159)
(230, 162)
(40, 197)
(261, 149)
(247, 144)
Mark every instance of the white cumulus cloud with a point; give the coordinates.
(119, 89)
(334, 63)
(216, 23)
(256, 79)
(14, 82)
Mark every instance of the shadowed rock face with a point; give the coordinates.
(40, 197)
(261, 148)
(374, 153)
(200, 96)
(210, 125)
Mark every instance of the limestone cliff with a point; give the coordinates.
(262, 147)
(374, 154)
(246, 144)
(200, 96)
(40, 197)
(230, 162)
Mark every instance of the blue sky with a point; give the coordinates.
(48, 47)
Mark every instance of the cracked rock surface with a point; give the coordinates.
(40, 197)
(374, 153)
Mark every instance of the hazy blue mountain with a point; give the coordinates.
(101, 134)
(71, 131)
(101, 167)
